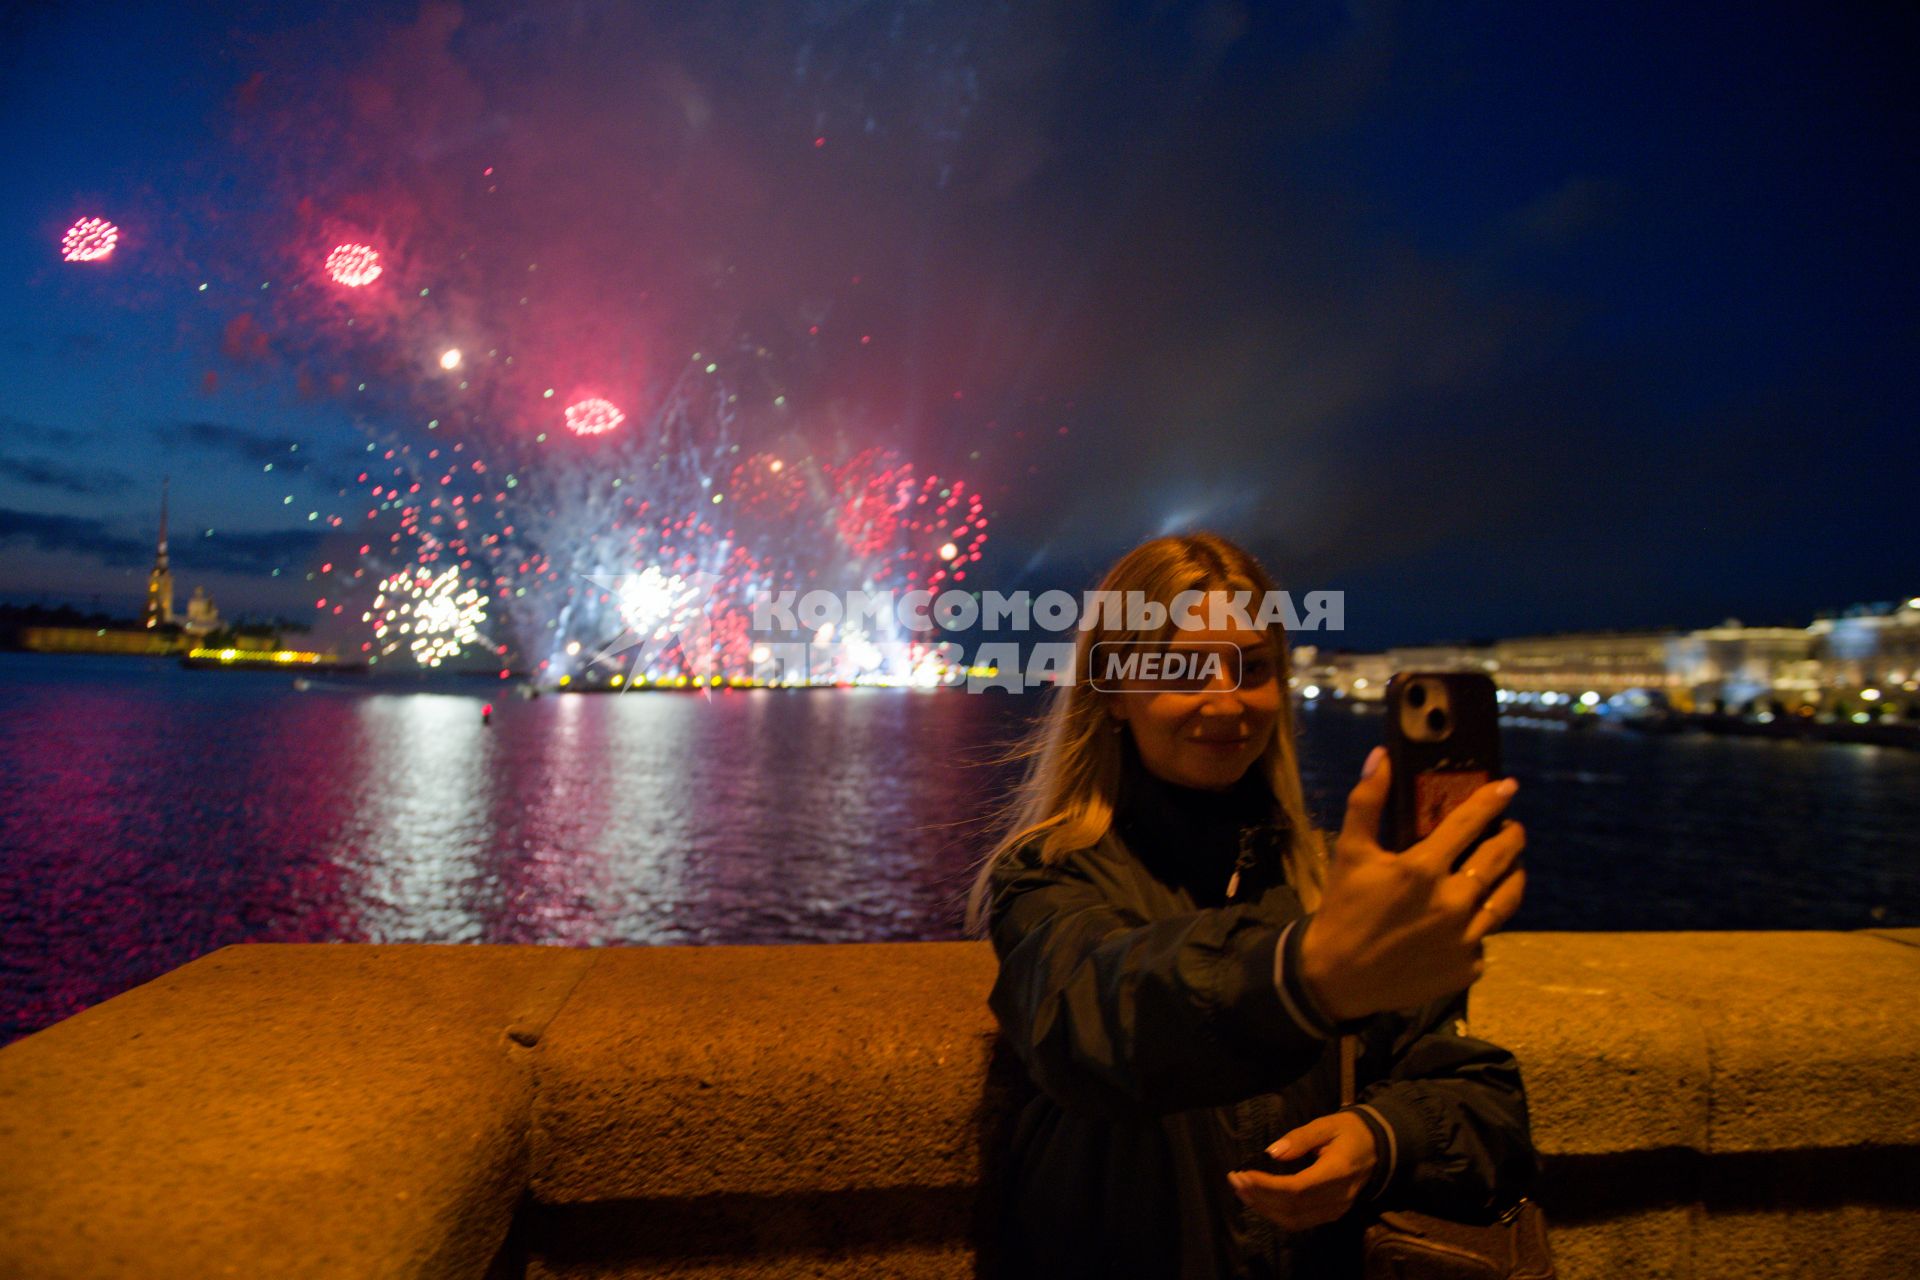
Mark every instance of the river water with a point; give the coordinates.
(150, 814)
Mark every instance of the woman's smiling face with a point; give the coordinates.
(1207, 735)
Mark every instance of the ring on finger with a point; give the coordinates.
(1480, 888)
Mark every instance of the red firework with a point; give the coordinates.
(874, 489)
(920, 527)
(593, 417)
(354, 265)
(89, 240)
(764, 486)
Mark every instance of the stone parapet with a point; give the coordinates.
(280, 1111)
(1708, 1104)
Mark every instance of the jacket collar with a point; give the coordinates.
(1191, 838)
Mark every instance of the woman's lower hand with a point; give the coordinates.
(1395, 930)
(1343, 1154)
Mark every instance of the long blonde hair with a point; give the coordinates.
(1066, 801)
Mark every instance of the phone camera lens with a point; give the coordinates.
(1437, 720)
(1417, 696)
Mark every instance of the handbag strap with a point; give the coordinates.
(1349, 1057)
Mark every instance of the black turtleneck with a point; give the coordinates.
(1190, 837)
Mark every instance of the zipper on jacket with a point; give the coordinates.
(1244, 862)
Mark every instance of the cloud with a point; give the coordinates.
(255, 552)
(83, 534)
(240, 551)
(64, 479)
(233, 442)
(15, 431)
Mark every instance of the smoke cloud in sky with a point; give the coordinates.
(1497, 323)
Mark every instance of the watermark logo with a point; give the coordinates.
(923, 611)
(666, 631)
(663, 616)
(1164, 666)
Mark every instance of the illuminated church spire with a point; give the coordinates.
(160, 581)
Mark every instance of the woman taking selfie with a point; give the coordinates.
(1179, 959)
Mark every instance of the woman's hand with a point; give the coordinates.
(1395, 930)
(1343, 1157)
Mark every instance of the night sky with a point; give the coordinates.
(1503, 319)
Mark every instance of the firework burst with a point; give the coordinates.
(89, 240)
(646, 555)
(434, 616)
(593, 417)
(354, 265)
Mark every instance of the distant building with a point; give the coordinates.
(1325, 673)
(1863, 663)
(1731, 665)
(1603, 662)
(202, 618)
(96, 640)
(1870, 647)
(159, 611)
(161, 630)
(1363, 676)
(1442, 657)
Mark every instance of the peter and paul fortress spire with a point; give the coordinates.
(160, 581)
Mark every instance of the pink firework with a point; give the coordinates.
(89, 240)
(354, 265)
(593, 417)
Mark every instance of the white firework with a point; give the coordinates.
(434, 616)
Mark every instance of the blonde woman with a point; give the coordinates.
(1179, 957)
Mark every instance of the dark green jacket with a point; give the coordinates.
(1160, 1054)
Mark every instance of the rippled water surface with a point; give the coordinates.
(149, 815)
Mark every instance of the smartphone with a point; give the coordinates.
(1443, 743)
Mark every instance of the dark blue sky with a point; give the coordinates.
(1501, 318)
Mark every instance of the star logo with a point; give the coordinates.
(663, 619)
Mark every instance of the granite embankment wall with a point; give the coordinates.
(1709, 1105)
